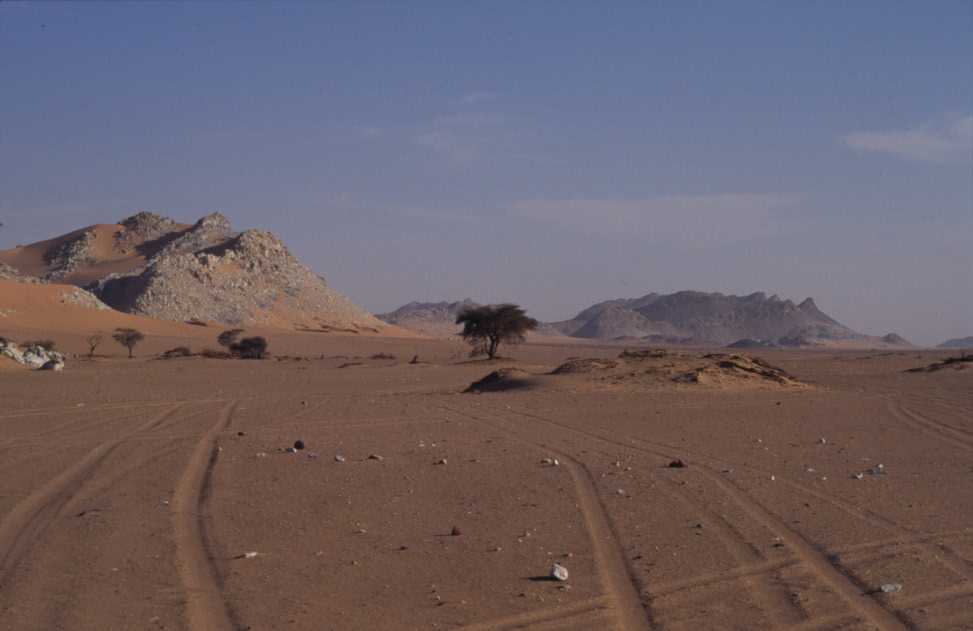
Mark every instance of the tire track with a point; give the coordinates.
(815, 560)
(615, 575)
(30, 519)
(567, 614)
(205, 608)
(947, 433)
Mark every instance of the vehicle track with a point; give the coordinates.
(814, 559)
(616, 577)
(205, 608)
(568, 614)
(30, 519)
(947, 433)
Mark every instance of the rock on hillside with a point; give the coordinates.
(959, 342)
(708, 318)
(429, 318)
(151, 265)
(252, 278)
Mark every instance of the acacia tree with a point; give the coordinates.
(129, 338)
(484, 328)
(94, 341)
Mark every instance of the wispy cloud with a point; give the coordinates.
(462, 138)
(945, 141)
(473, 98)
(686, 219)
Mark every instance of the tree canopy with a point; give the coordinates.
(486, 327)
(129, 338)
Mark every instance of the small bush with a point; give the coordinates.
(179, 351)
(210, 353)
(47, 345)
(228, 338)
(250, 348)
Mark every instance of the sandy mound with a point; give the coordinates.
(645, 370)
(577, 366)
(52, 308)
(502, 380)
(956, 363)
(659, 368)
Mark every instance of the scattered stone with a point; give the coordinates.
(248, 555)
(298, 444)
(891, 588)
(441, 461)
(455, 532)
(822, 441)
(859, 476)
(261, 454)
(621, 492)
(559, 572)
(241, 433)
(291, 450)
(678, 463)
(339, 458)
(376, 457)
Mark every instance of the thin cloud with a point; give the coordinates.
(461, 139)
(473, 98)
(685, 219)
(945, 141)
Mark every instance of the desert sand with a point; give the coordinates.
(135, 492)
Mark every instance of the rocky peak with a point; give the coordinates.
(145, 222)
(214, 223)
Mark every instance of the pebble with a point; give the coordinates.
(375, 457)
(455, 532)
(441, 461)
(559, 572)
(339, 458)
(891, 588)
(298, 444)
(678, 463)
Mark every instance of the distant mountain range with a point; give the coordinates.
(959, 342)
(685, 317)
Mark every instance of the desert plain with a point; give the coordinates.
(160, 494)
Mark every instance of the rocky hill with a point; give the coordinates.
(959, 342)
(429, 318)
(715, 319)
(154, 266)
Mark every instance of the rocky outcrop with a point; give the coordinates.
(10, 273)
(959, 342)
(247, 279)
(69, 254)
(706, 318)
(33, 356)
(431, 318)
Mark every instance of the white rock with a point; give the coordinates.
(559, 572)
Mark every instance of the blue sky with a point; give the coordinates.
(554, 154)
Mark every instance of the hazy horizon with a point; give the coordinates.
(553, 158)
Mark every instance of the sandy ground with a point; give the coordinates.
(131, 492)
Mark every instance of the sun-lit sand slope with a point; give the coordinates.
(132, 492)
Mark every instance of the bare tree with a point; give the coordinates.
(129, 338)
(484, 328)
(94, 341)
